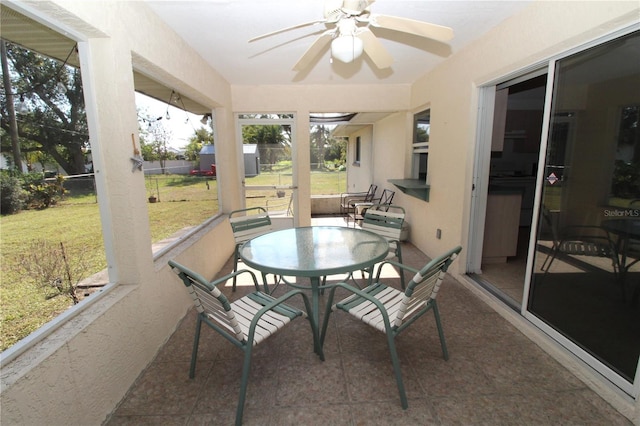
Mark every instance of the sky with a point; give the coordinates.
(181, 128)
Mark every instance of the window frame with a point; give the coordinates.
(357, 152)
(419, 147)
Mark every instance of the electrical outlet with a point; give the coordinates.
(438, 233)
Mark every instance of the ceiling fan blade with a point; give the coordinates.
(376, 51)
(411, 26)
(355, 7)
(282, 30)
(314, 50)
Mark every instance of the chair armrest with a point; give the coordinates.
(353, 194)
(397, 265)
(217, 281)
(352, 198)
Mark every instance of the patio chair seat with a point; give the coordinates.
(390, 311)
(246, 322)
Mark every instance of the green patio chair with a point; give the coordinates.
(247, 224)
(360, 208)
(349, 199)
(245, 322)
(391, 311)
(387, 221)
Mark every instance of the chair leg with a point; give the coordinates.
(265, 283)
(327, 314)
(550, 258)
(396, 368)
(276, 283)
(443, 343)
(236, 256)
(400, 270)
(246, 367)
(194, 352)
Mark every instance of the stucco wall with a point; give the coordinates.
(360, 174)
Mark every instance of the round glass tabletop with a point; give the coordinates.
(314, 251)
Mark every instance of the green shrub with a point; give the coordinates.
(626, 180)
(12, 197)
(29, 191)
(42, 193)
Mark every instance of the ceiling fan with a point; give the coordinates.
(349, 33)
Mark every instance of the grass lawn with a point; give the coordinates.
(184, 201)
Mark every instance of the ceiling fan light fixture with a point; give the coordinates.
(346, 48)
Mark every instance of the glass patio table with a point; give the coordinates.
(314, 252)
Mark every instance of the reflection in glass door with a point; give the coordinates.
(585, 282)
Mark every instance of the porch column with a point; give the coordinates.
(107, 78)
(302, 168)
(228, 159)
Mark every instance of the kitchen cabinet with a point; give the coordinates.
(502, 223)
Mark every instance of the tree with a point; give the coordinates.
(200, 137)
(55, 122)
(319, 140)
(153, 143)
(268, 137)
(11, 113)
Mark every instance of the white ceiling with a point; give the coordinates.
(220, 29)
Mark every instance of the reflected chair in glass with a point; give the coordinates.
(391, 311)
(634, 243)
(247, 224)
(246, 322)
(579, 240)
(349, 199)
(387, 221)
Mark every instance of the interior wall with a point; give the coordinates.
(391, 145)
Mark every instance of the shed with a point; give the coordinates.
(250, 153)
(251, 160)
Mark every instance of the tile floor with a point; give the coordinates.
(494, 376)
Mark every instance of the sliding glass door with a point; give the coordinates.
(585, 277)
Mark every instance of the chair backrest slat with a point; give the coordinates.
(250, 226)
(424, 286)
(209, 300)
(386, 223)
(371, 193)
(386, 198)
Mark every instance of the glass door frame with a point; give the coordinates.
(486, 99)
(293, 187)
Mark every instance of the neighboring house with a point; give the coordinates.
(62, 378)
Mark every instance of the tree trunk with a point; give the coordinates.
(13, 124)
